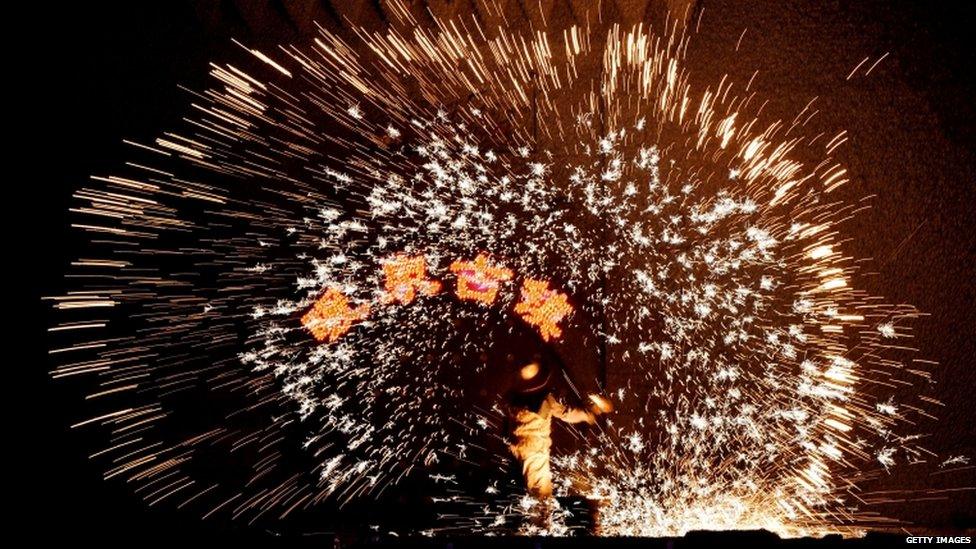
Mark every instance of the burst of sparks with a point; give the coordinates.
(358, 172)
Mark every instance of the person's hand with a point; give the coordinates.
(600, 405)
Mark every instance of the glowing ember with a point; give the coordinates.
(478, 280)
(405, 276)
(331, 316)
(543, 308)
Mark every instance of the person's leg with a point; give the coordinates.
(538, 475)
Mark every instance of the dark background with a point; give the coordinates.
(100, 72)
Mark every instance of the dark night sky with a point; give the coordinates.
(110, 71)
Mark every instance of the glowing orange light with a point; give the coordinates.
(405, 276)
(478, 280)
(331, 316)
(529, 371)
(543, 307)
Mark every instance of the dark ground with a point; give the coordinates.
(103, 72)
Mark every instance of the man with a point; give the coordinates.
(534, 406)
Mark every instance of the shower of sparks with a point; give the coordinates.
(269, 258)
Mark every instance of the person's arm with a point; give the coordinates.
(571, 415)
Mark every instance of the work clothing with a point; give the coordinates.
(533, 439)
